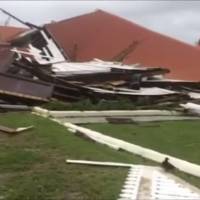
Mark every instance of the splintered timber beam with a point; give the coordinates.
(114, 113)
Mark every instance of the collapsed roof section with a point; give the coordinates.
(39, 45)
(109, 37)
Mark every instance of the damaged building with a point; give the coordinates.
(112, 58)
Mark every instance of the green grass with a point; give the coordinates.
(178, 138)
(33, 167)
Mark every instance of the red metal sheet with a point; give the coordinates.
(103, 35)
(7, 33)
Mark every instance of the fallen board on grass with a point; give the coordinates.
(14, 130)
(182, 165)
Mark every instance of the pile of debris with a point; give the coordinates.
(35, 70)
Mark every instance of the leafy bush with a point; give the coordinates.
(121, 104)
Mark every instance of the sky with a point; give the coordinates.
(178, 19)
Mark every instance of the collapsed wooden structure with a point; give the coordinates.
(34, 69)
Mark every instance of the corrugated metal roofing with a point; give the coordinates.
(103, 35)
(8, 32)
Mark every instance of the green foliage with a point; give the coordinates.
(87, 104)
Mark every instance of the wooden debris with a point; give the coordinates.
(14, 130)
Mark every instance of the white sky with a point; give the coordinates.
(178, 19)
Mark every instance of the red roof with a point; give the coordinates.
(103, 35)
(8, 32)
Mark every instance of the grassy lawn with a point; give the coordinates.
(32, 163)
(177, 138)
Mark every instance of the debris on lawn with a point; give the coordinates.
(118, 144)
(114, 116)
(107, 113)
(148, 182)
(14, 130)
(98, 163)
(34, 70)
